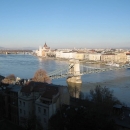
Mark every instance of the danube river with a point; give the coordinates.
(24, 66)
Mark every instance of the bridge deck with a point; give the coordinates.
(85, 70)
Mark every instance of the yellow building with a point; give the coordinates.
(121, 58)
(108, 57)
(80, 56)
(118, 58)
(95, 57)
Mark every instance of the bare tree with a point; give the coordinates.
(41, 76)
(9, 79)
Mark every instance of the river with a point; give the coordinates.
(24, 66)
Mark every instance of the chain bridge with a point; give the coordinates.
(75, 70)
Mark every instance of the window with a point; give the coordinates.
(20, 110)
(39, 109)
(35, 97)
(27, 94)
(24, 112)
(20, 102)
(44, 111)
(44, 120)
(23, 103)
(39, 118)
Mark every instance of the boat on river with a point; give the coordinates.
(113, 64)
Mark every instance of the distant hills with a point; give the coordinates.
(1, 47)
(125, 48)
(35, 48)
(29, 48)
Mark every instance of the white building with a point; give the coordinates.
(39, 51)
(42, 51)
(58, 54)
(26, 101)
(42, 100)
(95, 57)
(65, 55)
(68, 55)
(46, 105)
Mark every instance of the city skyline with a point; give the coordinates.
(65, 24)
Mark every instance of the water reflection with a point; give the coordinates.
(40, 62)
(74, 89)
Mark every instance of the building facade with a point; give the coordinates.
(121, 58)
(108, 57)
(11, 103)
(65, 55)
(42, 100)
(128, 57)
(43, 51)
(95, 57)
(80, 56)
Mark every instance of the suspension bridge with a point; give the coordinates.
(75, 70)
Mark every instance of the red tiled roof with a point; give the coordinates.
(109, 54)
(92, 50)
(128, 53)
(48, 90)
(33, 86)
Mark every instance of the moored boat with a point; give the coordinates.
(113, 64)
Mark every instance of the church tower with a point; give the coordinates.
(45, 45)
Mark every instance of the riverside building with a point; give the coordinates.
(128, 56)
(95, 57)
(108, 57)
(43, 51)
(65, 54)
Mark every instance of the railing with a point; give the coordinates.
(60, 71)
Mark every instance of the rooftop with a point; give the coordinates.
(14, 88)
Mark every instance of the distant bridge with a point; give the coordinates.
(74, 71)
(15, 51)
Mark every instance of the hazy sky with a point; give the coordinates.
(65, 23)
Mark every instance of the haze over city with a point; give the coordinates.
(65, 24)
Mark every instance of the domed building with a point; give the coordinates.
(42, 51)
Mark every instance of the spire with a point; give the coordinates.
(45, 45)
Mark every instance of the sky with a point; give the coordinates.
(65, 23)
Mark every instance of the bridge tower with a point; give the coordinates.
(75, 71)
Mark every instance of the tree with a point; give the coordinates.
(94, 116)
(67, 118)
(31, 123)
(102, 94)
(75, 118)
(41, 76)
(103, 98)
(9, 79)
